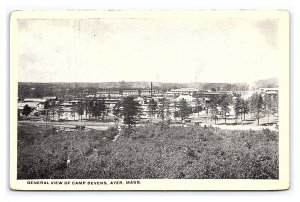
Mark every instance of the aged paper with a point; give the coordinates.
(149, 100)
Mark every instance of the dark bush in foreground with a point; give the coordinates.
(194, 153)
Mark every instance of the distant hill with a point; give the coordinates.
(266, 83)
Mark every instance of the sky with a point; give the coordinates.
(147, 49)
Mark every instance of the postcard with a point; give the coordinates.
(149, 100)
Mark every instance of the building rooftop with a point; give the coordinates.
(34, 100)
(185, 89)
(30, 104)
(50, 98)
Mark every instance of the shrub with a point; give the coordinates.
(193, 152)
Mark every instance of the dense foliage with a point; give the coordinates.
(131, 109)
(175, 152)
(26, 110)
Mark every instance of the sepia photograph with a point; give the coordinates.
(151, 100)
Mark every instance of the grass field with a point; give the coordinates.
(194, 152)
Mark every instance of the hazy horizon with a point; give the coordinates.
(95, 82)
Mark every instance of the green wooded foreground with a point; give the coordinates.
(150, 152)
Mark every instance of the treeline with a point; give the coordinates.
(266, 83)
(258, 105)
(95, 110)
(224, 86)
(218, 107)
(60, 89)
(129, 110)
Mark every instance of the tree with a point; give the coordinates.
(184, 109)
(73, 111)
(224, 102)
(98, 109)
(275, 104)
(198, 106)
(130, 111)
(89, 107)
(46, 107)
(257, 105)
(164, 111)
(117, 112)
(161, 113)
(212, 106)
(168, 112)
(214, 111)
(105, 112)
(237, 107)
(244, 107)
(53, 108)
(152, 108)
(94, 110)
(241, 107)
(80, 109)
(271, 105)
(59, 112)
(268, 106)
(26, 110)
(175, 109)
